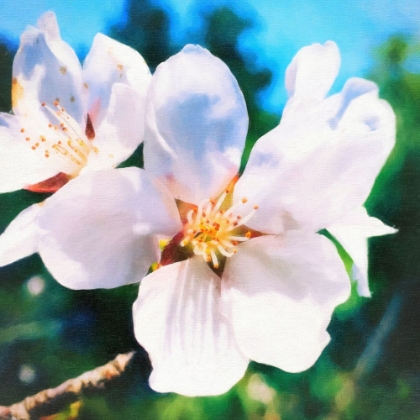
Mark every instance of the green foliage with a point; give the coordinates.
(6, 60)
(146, 29)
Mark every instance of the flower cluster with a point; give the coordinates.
(244, 273)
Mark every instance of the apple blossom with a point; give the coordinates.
(67, 120)
(246, 274)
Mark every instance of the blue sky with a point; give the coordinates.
(283, 27)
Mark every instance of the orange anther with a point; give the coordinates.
(244, 200)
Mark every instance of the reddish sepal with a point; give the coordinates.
(174, 252)
(50, 185)
(89, 131)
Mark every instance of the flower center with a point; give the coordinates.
(213, 232)
(65, 140)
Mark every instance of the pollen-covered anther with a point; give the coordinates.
(214, 233)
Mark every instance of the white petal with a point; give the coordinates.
(352, 231)
(312, 72)
(20, 166)
(314, 166)
(99, 230)
(279, 294)
(177, 320)
(107, 63)
(20, 239)
(46, 69)
(195, 126)
(121, 131)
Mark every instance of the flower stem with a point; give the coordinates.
(51, 401)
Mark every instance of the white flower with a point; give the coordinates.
(246, 275)
(66, 119)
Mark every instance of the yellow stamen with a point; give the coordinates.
(212, 232)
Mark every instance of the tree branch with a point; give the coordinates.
(369, 359)
(51, 401)
(373, 351)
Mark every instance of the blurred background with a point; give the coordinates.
(371, 368)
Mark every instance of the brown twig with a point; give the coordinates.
(51, 401)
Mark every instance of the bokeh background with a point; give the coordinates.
(371, 368)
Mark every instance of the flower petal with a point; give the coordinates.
(46, 69)
(121, 131)
(20, 239)
(107, 63)
(312, 72)
(177, 320)
(20, 166)
(196, 125)
(279, 294)
(312, 168)
(352, 231)
(100, 229)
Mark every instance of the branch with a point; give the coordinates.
(373, 351)
(369, 359)
(51, 401)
